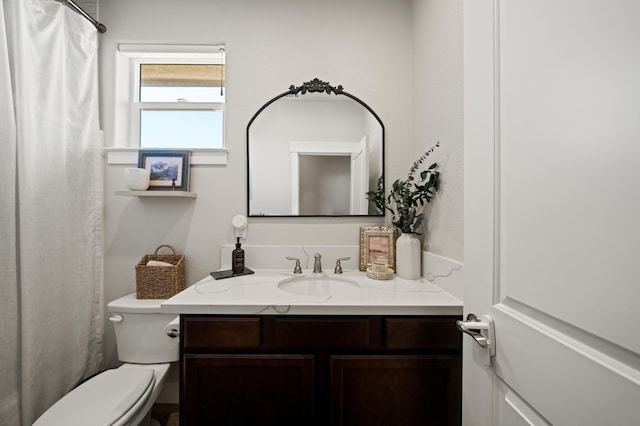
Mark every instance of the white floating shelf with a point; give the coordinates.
(176, 194)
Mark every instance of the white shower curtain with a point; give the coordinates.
(50, 206)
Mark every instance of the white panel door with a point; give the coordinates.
(552, 210)
(359, 178)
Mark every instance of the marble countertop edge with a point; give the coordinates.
(260, 294)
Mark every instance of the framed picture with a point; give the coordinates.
(378, 243)
(169, 169)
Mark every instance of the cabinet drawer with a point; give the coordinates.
(322, 332)
(221, 333)
(422, 333)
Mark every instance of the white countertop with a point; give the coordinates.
(259, 294)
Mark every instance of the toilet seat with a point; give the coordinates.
(110, 398)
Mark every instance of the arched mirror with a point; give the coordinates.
(314, 150)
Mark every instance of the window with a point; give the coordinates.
(178, 103)
(177, 96)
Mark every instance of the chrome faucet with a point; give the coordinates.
(317, 264)
(296, 269)
(338, 268)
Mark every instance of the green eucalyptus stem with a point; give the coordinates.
(407, 198)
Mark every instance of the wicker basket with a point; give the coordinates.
(160, 282)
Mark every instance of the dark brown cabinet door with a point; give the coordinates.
(395, 390)
(248, 390)
(320, 370)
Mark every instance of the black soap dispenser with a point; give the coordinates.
(237, 259)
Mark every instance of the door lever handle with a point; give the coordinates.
(481, 329)
(473, 327)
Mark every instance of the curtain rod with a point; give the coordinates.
(100, 27)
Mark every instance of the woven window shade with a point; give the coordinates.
(210, 75)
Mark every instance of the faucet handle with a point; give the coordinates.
(338, 269)
(296, 269)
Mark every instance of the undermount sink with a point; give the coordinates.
(317, 285)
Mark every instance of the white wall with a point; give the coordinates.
(437, 115)
(365, 45)
(89, 6)
(402, 57)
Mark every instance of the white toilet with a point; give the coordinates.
(123, 396)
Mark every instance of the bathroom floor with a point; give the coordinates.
(166, 414)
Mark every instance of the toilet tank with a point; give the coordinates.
(141, 331)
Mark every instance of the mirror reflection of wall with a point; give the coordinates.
(284, 177)
(324, 185)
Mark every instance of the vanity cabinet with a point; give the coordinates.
(320, 370)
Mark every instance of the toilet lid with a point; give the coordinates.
(102, 400)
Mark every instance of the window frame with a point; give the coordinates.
(135, 55)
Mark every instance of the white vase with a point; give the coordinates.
(408, 257)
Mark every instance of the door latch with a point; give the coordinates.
(481, 329)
